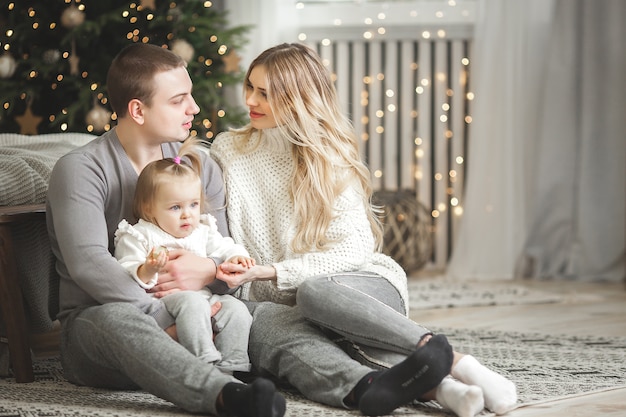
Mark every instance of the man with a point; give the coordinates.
(114, 335)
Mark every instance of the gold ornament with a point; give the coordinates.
(231, 62)
(74, 60)
(28, 122)
(98, 117)
(72, 17)
(148, 4)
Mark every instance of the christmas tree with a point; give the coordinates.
(56, 54)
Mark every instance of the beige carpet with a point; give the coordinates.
(544, 368)
(445, 293)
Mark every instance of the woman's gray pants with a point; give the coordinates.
(342, 327)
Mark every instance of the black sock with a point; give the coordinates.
(258, 399)
(380, 393)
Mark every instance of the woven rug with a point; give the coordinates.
(544, 368)
(442, 293)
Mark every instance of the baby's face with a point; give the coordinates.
(177, 207)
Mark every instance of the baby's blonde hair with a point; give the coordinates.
(187, 165)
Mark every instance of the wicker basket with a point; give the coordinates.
(408, 228)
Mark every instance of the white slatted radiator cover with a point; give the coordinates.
(409, 99)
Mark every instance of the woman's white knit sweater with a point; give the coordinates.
(261, 218)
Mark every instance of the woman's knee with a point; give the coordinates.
(310, 292)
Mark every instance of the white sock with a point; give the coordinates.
(500, 393)
(464, 400)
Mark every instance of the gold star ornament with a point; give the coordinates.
(231, 62)
(28, 122)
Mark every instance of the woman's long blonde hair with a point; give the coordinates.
(304, 102)
(186, 165)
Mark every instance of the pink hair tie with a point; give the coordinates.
(177, 160)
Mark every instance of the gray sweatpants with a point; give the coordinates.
(194, 328)
(117, 346)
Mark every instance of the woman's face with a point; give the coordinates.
(261, 116)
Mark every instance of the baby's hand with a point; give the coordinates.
(243, 261)
(156, 259)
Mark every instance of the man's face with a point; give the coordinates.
(172, 109)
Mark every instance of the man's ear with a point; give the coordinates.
(135, 110)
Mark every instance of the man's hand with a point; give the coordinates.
(171, 331)
(184, 271)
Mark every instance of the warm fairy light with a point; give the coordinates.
(454, 201)
(367, 35)
(458, 211)
(326, 42)
(381, 16)
(459, 160)
(426, 34)
(299, 5)
(302, 37)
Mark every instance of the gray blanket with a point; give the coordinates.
(25, 166)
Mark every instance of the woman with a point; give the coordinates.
(299, 200)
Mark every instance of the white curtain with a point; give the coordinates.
(546, 190)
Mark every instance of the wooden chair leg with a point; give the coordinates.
(12, 307)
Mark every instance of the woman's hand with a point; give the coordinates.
(235, 275)
(242, 260)
(184, 271)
